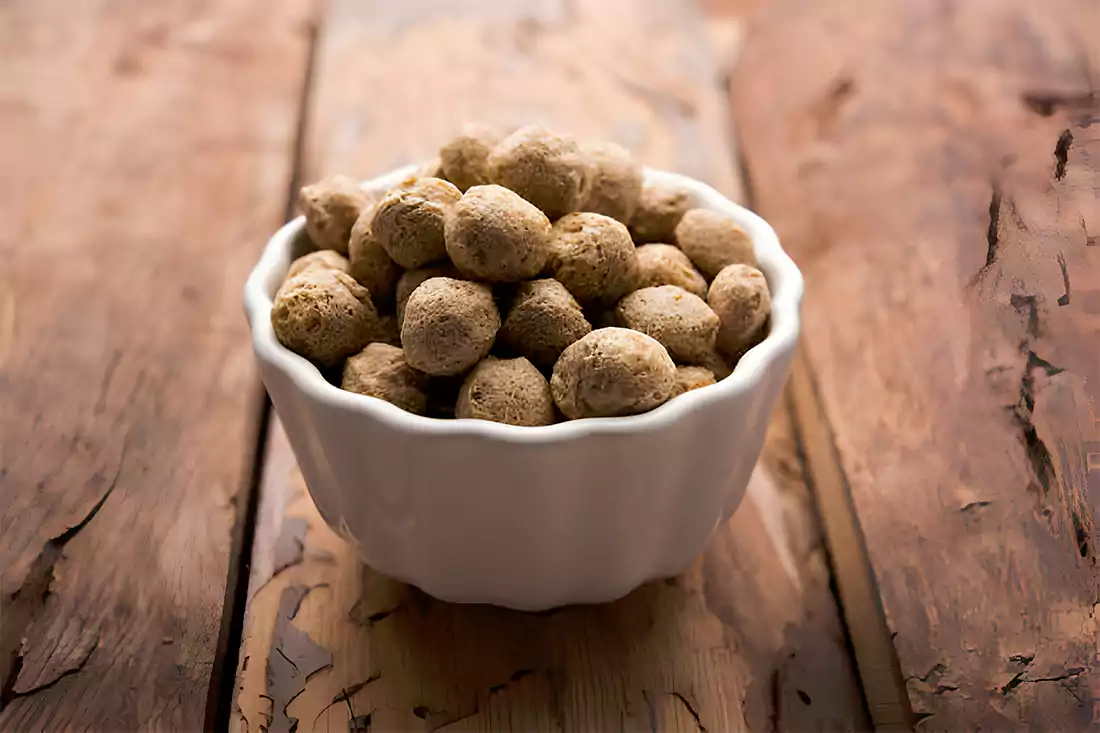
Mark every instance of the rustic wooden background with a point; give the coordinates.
(918, 548)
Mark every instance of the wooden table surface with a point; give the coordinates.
(917, 548)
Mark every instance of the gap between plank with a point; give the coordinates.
(857, 591)
(222, 690)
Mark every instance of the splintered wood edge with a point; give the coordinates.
(860, 602)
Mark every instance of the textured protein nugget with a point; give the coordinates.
(408, 221)
(322, 259)
(380, 370)
(324, 315)
(692, 377)
(544, 319)
(616, 180)
(663, 264)
(548, 170)
(659, 211)
(331, 207)
(682, 322)
(493, 234)
(409, 281)
(712, 240)
(465, 159)
(593, 257)
(370, 265)
(740, 297)
(612, 372)
(449, 326)
(510, 391)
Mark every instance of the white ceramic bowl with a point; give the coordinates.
(529, 518)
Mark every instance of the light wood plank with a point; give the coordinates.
(935, 169)
(749, 639)
(147, 152)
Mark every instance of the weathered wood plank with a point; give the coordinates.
(748, 640)
(935, 169)
(147, 153)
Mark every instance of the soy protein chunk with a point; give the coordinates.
(494, 234)
(612, 372)
(324, 315)
(510, 391)
(331, 207)
(740, 297)
(408, 221)
(380, 370)
(658, 212)
(692, 377)
(542, 321)
(411, 279)
(615, 180)
(548, 170)
(322, 259)
(681, 321)
(593, 256)
(663, 264)
(712, 240)
(449, 326)
(465, 159)
(369, 264)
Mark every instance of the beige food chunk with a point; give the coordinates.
(510, 391)
(493, 234)
(663, 264)
(543, 319)
(411, 279)
(465, 159)
(692, 377)
(717, 365)
(380, 370)
(324, 315)
(331, 207)
(616, 180)
(659, 211)
(408, 221)
(612, 372)
(682, 322)
(712, 240)
(369, 264)
(546, 169)
(740, 297)
(449, 326)
(593, 257)
(322, 259)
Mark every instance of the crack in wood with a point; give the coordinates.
(28, 601)
(1063, 300)
(691, 711)
(1061, 153)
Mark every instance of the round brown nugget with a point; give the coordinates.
(510, 391)
(449, 326)
(493, 234)
(543, 320)
(663, 264)
(408, 221)
(324, 315)
(659, 211)
(380, 370)
(322, 259)
(369, 264)
(331, 207)
(465, 159)
(410, 280)
(548, 170)
(593, 257)
(616, 180)
(612, 372)
(682, 322)
(717, 365)
(740, 297)
(692, 377)
(712, 240)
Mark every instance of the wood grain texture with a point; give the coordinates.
(935, 170)
(749, 639)
(147, 154)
